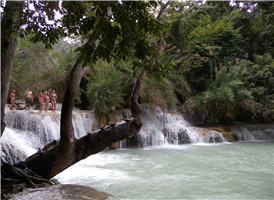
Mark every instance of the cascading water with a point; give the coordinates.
(14, 147)
(166, 128)
(255, 132)
(29, 131)
(58, 107)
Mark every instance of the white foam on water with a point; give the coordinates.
(32, 130)
(24, 140)
(95, 168)
(168, 147)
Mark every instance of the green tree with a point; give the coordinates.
(211, 43)
(260, 82)
(117, 29)
(105, 88)
(224, 98)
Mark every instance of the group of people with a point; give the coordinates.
(44, 96)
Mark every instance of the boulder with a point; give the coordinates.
(63, 192)
(37, 106)
(171, 136)
(183, 137)
(215, 138)
(20, 106)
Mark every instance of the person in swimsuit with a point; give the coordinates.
(47, 99)
(53, 97)
(12, 99)
(41, 99)
(29, 98)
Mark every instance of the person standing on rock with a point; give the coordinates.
(47, 99)
(41, 99)
(12, 99)
(53, 97)
(29, 98)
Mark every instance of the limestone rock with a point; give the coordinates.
(183, 137)
(63, 192)
(215, 138)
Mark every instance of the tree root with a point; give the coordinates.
(16, 178)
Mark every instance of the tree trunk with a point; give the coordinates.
(59, 155)
(9, 39)
(161, 45)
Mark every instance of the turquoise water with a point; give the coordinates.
(241, 170)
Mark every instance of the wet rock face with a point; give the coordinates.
(17, 106)
(215, 138)
(62, 192)
(180, 136)
(11, 154)
(183, 137)
(170, 136)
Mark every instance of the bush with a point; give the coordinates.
(105, 88)
(225, 97)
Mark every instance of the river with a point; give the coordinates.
(239, 170)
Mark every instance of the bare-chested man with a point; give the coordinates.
(29, 98)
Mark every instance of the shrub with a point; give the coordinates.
(105, 88)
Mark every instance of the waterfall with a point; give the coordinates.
(166, 128)
(255, 132)
(17, 145)
(7, 107)
(58, 107)
(29, 131)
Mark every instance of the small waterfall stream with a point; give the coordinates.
(30, 131)
(255, 132)
(167, 128)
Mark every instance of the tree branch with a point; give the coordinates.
(134, 105)
(67, 131)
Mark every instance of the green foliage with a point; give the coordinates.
(60, 65)
(121, 35)
(105, 89)
(211, 43)
(158, 93)
(265, 24)
(30, 60)
(260, 78)
(224, 98)
(54, 181)
(260, 81)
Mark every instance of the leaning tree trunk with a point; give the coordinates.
(59, 155)
(9, 39)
